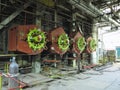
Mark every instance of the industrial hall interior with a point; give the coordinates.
(59, 44)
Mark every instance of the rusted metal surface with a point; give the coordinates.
(53, 38)
(75, 47)
(12, 39)
(17, 40)
(88, 48)
(52, 61)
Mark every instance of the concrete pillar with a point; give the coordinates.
(94, 55)
(37, 60)
(36, 64)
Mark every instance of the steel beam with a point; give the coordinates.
(13, 15)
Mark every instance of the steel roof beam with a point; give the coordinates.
(13, 15)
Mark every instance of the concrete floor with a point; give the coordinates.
(106, 79)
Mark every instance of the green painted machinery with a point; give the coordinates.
(81, 43)
(63, 42)
(36, 39)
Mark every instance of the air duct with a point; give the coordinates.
(92, 10)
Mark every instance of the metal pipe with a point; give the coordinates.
(79, 15)
(104, 16)
(82, 7)
(93, 11)
(62, 7)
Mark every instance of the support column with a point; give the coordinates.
(36, 64)
(55, 17)
(37, 59)
(38, 19)
(0, 10)
(73, 19)
(94, 55)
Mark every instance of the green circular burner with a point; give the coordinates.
(81, 43)
(93, 45)
(36, 39)
(63, 42)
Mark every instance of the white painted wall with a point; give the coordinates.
(108, 40)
